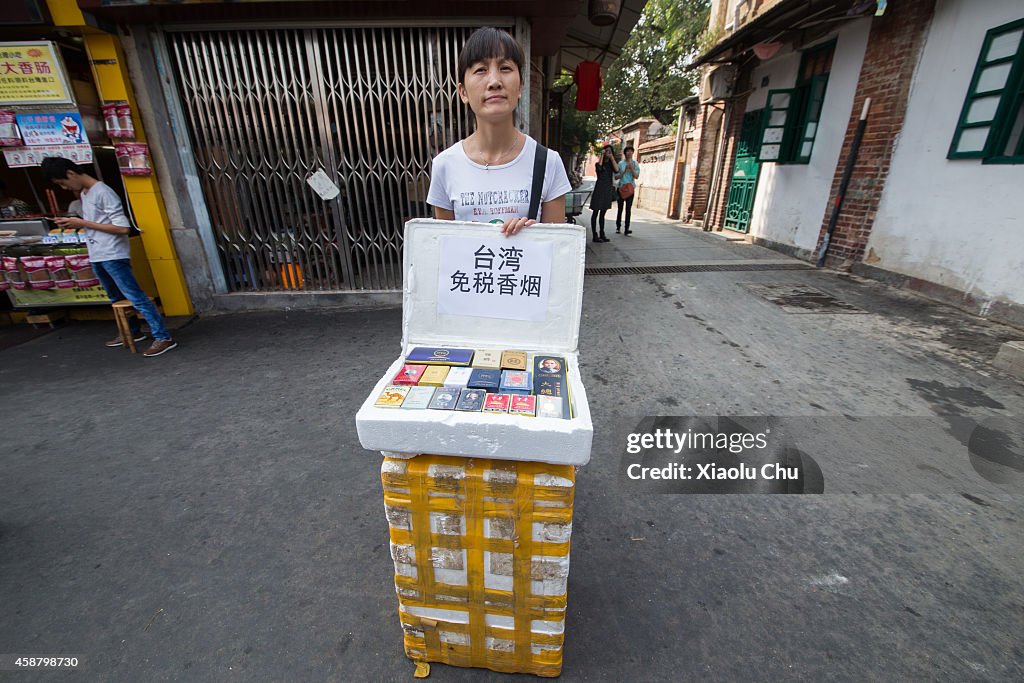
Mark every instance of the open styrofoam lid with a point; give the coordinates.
(467, 285)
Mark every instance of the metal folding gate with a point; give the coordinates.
(267, 108)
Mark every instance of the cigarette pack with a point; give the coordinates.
(516, 382)
(418, 397)
(523, 405)
(553, 386)
(550, 406)
(392, 397)
(485, 379)
(435, 375)
(432, 355)
(409, 374)
(444, 398)
(548, 386)
(496, 403)
(513, 360)
(484, 358)
(458, 377)
(548, 366)
(471, 400)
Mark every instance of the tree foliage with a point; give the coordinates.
(647, 79)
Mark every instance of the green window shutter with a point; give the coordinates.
(807, 130)
(1007, 143)
(777, 120)
(973, 138)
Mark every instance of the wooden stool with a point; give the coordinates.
(122, 310)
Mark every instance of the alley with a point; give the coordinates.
(210, 515)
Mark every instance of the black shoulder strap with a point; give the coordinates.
(540, 162)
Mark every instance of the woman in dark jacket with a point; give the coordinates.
(604, 192)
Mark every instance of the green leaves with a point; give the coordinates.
(649, 77)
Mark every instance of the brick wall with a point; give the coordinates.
(701, 161)
(734, 125)
(894, 47)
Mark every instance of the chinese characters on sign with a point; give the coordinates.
(30, 73)
(505, 278)
(64, 128)
(22, 157)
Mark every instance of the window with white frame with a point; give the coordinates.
(991, 125)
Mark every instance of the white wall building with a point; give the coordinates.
(955, 222)
(936, 195)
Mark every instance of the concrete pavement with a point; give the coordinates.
(209, 514)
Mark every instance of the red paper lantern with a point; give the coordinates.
(588, 85)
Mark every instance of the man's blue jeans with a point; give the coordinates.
(119, 281)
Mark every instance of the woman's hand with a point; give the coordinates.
(513, 226)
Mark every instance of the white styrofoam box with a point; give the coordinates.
(505, 437)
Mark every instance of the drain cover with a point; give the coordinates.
(693, 268)
(800, 298)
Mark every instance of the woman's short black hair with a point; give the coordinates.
(487, 43)
(56, 168)
(629, 148)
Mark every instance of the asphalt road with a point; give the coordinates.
(209, 515)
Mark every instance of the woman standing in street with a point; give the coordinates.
(604, 191)
(488, 177)
(629, 171)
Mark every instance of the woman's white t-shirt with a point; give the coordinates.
(492, 194)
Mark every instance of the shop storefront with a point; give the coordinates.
(265, 99)
(267, 108)
(64, 92)
(293, 140)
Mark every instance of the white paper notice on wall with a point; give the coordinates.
(323, 186)
(505, 278)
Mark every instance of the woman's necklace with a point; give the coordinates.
(497, 161)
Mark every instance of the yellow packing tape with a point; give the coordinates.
(512, 496)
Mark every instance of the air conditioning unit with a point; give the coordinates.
(719, 83)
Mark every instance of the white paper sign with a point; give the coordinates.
(506, 277)
(323, 186)
(22, 157)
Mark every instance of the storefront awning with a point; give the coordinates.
(781, 22)
(583, 41)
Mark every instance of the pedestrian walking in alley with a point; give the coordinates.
(604, 191)
(629, 171)
(477, 179)
(106, 230)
